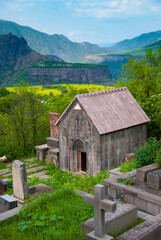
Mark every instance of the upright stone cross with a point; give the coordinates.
(100, 204)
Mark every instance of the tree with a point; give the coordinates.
(143, 79)
(27, 118)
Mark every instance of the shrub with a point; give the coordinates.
(146, 155)
(158, 158)
(126, 167)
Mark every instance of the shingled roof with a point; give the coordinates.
(110, 110)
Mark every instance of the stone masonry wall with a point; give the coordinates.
(77, 133)
(115, 145)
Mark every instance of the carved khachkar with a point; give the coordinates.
(54, 129)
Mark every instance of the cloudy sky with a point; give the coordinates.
(96, 21)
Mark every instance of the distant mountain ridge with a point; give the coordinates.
(140, 41)
(55, 44)
(18, 62)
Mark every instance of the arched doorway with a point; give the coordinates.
(81, 155)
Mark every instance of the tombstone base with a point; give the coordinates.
(91, 236)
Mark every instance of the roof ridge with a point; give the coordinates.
(101, 92)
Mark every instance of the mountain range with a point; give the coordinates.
(55, 44)
(60, 48)
(18, 62)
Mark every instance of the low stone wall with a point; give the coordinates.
(124, 217)
(145, 201)
(149, 230)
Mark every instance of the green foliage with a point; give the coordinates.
(143, 79)
(4, 92)
(158, 158)
(53, 216)
(23, 122)
(2, 166)
(128, 182)
(119, 180)
(126, 167)
(146, 155)
(59, 179)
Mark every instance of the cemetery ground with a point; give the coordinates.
(56, 215)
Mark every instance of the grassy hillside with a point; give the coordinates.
(138, 42)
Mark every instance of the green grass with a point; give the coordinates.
(55, 216)
(127, 167)
(2, 165)
(59, 179)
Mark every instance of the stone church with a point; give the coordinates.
(98, 129)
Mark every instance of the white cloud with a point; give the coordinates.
(74, 33)
(114, 8)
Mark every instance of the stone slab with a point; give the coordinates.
(3, 171)
(7, 202)
(149, 230)
(52, 142)
(91, 236)
(154, 179)
(3, 187)
(9, 214)
(6, 179)
(41, 152)
(38, 174)
(115, 172)
(121, 219)
(34, 169)
(141, 173)
(44, 177)
(7, 175)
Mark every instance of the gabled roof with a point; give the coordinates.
(110, 110)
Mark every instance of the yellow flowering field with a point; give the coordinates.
(90, 87)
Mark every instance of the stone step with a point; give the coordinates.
(54, 151)
(34, 169)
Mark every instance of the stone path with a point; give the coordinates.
(32, 169)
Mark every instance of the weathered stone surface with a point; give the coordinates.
(54, 132)
(38, 174)
(149, 230)
(52, 142)
(80, 75)
(92, 236)
(7, 202)
(9, 214)
(141, 173)
(3, 187)
(154, 179)
(122, 219)
(41, 152)
(20, 185)
(34, 169)
(40, 188)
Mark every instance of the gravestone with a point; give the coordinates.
(20, 185)
(154, 179)
(7, 202)
(3, 187)
(100, 205)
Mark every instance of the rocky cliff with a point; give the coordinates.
(70, 75)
